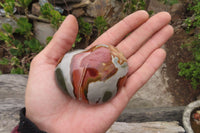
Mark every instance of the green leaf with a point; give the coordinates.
(50, 13)
(17, 71)
(56, 18)
(7, 1)
(4, 61)
(16, 43)
(4, 36)
(15, 61)
(28, 65)
(172, 2)
(46, 10)
(78, 38)
(101, 24)
(25, 3)
(18, 50)
(1, 4)
(14, 52)
(85, 28)
(34, 45)
(8, 6)
(63, 18)
(7, 27)
(24, 27)
(133, 5)
(191, 71)
(48, 39)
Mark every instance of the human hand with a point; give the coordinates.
(54, 112)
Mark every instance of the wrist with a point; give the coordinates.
(26, 125)
(44, 124)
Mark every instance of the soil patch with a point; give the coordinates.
(179, 87)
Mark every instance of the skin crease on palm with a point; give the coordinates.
(54, 112)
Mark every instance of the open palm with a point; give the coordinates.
(54, 112)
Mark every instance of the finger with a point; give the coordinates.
(115, 34)
(145, 72)
(136, 39)
(62, 40)
(136, 60)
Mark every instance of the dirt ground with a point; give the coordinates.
(179, 87)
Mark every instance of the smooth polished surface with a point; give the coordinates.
(94, 75)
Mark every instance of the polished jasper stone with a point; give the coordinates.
(92, 76)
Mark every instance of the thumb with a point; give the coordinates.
(62, 40)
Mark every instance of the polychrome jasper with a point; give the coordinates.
(93, 76)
